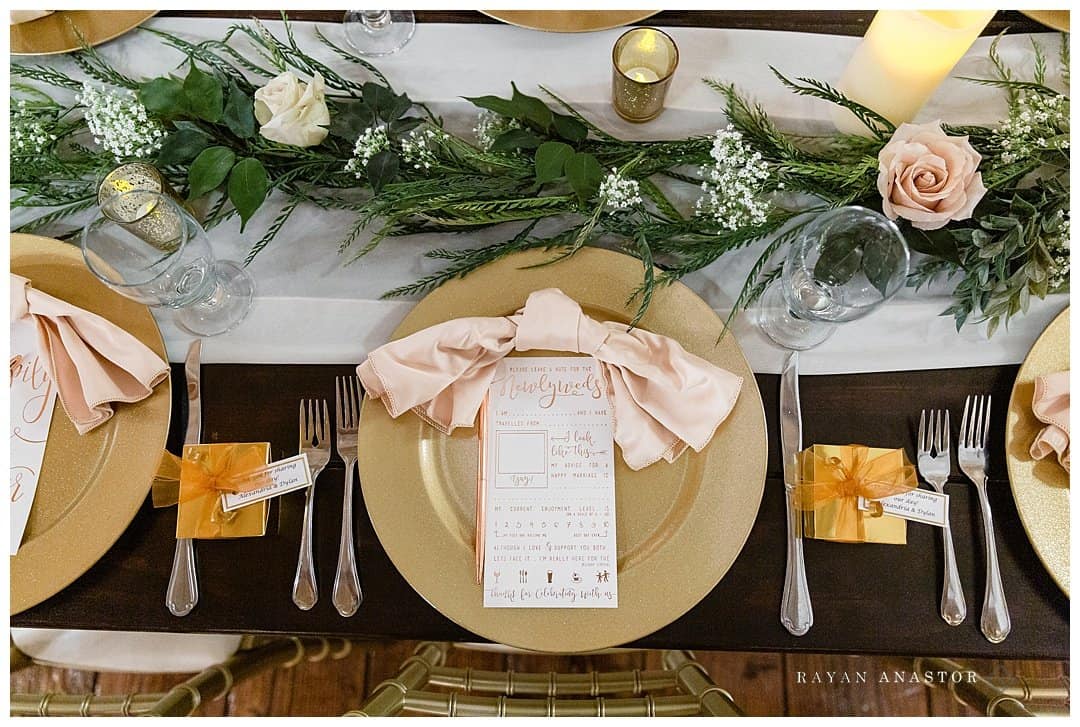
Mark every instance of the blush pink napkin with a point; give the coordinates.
(664, 399)
(1051, 407)
(92, 361)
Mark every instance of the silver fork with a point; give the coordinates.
(315, 443)
(934, 466)
(347, 593)
(995, 622)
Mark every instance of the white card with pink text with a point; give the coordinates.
(550, 492)
(33, 397)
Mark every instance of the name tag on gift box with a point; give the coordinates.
(921, 506)
(285, 476)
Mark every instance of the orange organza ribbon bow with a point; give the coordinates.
(853, 472)
(239, 468)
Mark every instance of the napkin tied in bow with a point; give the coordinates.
(92, 361)
(664, 399)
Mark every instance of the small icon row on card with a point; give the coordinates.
(524, 576)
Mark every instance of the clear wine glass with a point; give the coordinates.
(143, 245)
(843, 265)
(379, 32)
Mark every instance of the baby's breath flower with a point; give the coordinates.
(370, 143)
(31, 130)
(1058, 246)
(617, 192)
(418, 148)
(735, 183)
(1037, 122)
(119, 123)
(490, 125)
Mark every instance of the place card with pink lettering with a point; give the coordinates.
(33, 397)
(549, 538)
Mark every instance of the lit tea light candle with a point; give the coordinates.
(903, 58)
(644, 61)
(642, 74)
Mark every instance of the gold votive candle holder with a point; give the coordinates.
(643, 62)
(155, 224)
(135, 177)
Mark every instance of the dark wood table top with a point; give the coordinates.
(835, 22)
(867, 598)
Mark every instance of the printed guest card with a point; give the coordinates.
(549, 539)
(33, 397)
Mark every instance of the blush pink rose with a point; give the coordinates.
(928, 177)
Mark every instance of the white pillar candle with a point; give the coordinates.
(904, 56)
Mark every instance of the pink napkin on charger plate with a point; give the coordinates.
(92, 361)
(1051, 407)
(664, 398)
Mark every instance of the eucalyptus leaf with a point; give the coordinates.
(405, 125)
(515, 139)
(181, 146)
(248, 185)
(532, 109)
(570, 128)
(501, 106)
(840, 259)
(239, 114)
(551, 158)
(881, 261)
(351, 120)
(203, 95)
(382, 168)
(398, 107)
(379, 99)
(209, 170)
(584, 174)
(163, 96)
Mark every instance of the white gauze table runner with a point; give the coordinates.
(310, 308)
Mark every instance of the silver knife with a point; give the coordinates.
(796, 613)
(183, 592)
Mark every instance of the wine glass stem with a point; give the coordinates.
(376, 20)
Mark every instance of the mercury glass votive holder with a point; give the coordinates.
(154, 224)
(643, 60)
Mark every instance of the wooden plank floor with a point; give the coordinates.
(762, 684)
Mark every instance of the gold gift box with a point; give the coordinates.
(199, 514)
(832, 519)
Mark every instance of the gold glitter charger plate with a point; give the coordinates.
(1040, 487)
(56, 33)
(679, 526)
(91, 486)
(1056, 19)
(570, 21)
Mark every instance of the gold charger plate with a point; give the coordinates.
(570, 21)
(55, 33)
(679, 526)
(91, 486)
(1040, 487)
(1056, 19)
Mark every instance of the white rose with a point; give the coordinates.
(292, 112)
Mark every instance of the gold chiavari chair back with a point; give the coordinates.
(212, 683)
(1013, 696)
(425, 686)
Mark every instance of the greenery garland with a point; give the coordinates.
(389, 161)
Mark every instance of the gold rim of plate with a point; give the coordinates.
(679, 526)
(1040, 487)
(570, 21)
(91, 486)
(1056, 19)
(55, 33)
